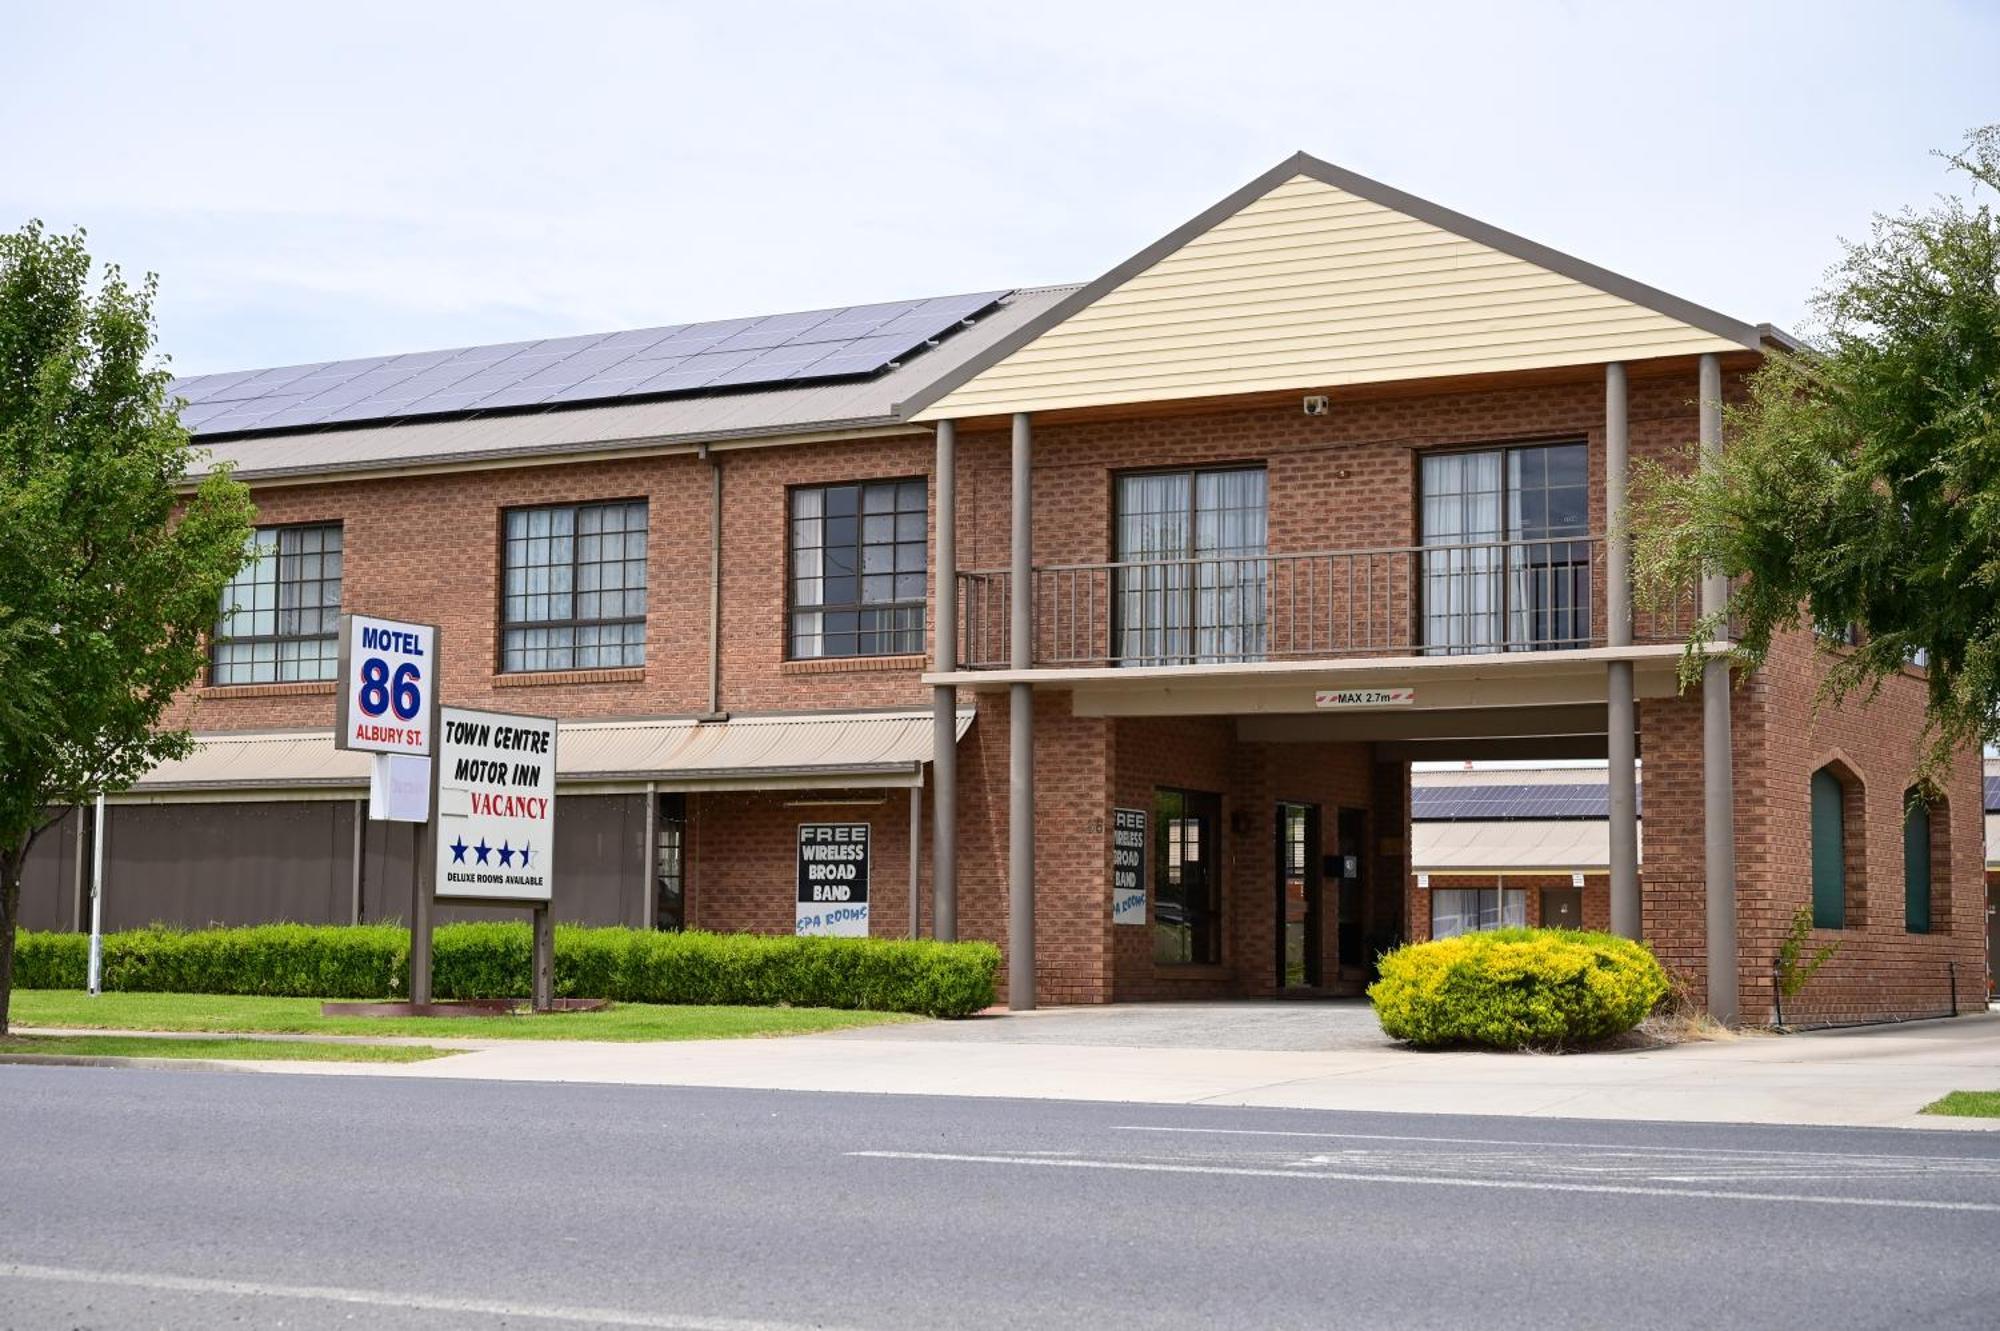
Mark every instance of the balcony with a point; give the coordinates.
(1487, 597)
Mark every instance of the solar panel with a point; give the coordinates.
(855, 341)
(1993, 794)
(1503, 803)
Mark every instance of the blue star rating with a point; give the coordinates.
(525, 853)
(482, 850)
(506, 855)
(458, 851)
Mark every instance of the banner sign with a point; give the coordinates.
(833, 879)
(496, 805)
(1128, 866)
(387, 671)
(1364, 697)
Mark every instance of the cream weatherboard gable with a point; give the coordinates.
(1317, 280)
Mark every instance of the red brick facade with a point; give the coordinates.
(427, 548)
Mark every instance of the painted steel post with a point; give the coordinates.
(944, 698)
(1718, 777)
(916, 850)
(96, 977)
(1021, 731)
(427, 839)
(1621, 710)
(545, 958)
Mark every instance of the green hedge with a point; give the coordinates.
(1517, 989)
(492, 961)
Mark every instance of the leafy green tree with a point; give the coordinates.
(1859, 483)
(112, 557)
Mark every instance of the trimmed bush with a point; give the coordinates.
(493, 961)
(1517, 989)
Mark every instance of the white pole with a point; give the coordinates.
(97, 902)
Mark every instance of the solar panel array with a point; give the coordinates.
(1501, 803)
(1993, 794)
(857, 341)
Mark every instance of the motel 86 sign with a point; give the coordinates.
(388, 673)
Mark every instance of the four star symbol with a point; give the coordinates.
(482, 850)
(506, 854)
(458, 851)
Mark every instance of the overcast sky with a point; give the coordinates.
(317, 181)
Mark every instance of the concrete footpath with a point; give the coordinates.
(1197, 1054)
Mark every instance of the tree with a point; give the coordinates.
(1859, 483)
(112, 558)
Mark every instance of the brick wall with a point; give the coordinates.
(1596, 896)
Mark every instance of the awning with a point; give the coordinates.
(1580, 845)
(796, 751)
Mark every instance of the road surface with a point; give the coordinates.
(190, 1199)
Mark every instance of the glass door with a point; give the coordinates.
(1298, 884)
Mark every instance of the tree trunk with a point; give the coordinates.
(10, 911)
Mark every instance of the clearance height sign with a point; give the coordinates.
(833, 879)
(496, 805)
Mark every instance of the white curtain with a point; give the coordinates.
(808, 571)
(1198, 591)
(1155, 531)
(1229, 537)
(1462, 515)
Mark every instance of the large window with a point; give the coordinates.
(1501, 571)
(1192, 582)
(1464, 910)
(574, 587)
(1187, 877)
(1926, 862)
(858, 569)
(280, 616)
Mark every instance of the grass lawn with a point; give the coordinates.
(139, 1046)
(1967, 1104)
(301, 1016)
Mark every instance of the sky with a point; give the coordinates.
(320, 181)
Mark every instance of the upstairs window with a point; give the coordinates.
(280, 615)
(1505, 565)
(574, 587)
(1192, 575)
(858, 558)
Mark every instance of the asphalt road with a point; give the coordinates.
(198, 1199)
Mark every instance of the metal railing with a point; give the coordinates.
(1491, 596)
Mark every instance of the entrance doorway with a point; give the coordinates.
(1562, 908)
(1298, 885)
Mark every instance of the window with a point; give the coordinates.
(670, 863)
(1464, 910)
(574, 587)
(1501, 572)
(858, 569)
(1926, 862)
(280, 615)
(1187, 877)
(1191, 586)
(1839, 860)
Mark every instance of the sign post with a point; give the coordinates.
(388, 706)
(496, 820)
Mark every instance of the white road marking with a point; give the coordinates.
(1951, 1161)
(379, 1298)
(1512, 1185)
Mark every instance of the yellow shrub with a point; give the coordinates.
(1517, 989)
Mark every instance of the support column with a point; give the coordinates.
(1021, 732)
(944, 698)
(916, 849)
(1718, 777)
(1621, 711)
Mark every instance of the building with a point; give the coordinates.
(1207, 552)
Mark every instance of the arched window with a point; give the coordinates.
(1916, 865)
(1926, 862)
(1837, 859)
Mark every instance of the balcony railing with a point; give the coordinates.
(1492, 596)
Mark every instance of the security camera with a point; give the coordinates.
(1316, 405)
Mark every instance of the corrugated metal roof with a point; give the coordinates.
(1562, 845)
(753, 752)
(713, 417)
